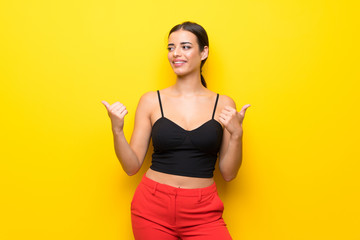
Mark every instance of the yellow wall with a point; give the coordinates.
(296, 63)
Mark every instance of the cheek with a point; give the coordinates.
(194, 58)
(169, 57)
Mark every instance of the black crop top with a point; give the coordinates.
(186, 153)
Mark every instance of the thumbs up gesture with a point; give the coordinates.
(232, 120)
(116, 112)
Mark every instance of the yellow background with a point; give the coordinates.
(296, 63)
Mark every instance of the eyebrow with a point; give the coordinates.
(171, 44)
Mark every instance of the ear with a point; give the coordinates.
(205, 53)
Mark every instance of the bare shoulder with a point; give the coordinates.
(148, 97)
(225, 100)
(147, 101)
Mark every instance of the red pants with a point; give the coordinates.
(163, 212)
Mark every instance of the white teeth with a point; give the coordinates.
(179, 62)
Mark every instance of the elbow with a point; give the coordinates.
(229, 178)
(229, 171)
(228, 175)
(131, 171)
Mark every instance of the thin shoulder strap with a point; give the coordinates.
(217, 98)
(162, 113)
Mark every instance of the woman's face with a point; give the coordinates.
(184, 54)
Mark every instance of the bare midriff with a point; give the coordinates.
(179, 181)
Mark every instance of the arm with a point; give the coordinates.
(131, 156)
(230, 157)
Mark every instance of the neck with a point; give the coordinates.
(189, 84)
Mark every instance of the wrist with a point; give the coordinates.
(117, 131)
(237, 135)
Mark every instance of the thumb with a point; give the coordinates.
(243, 109)
(106, 104)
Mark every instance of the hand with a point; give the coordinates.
(116, 112)
(232, 120)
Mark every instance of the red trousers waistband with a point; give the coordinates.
(190, 192)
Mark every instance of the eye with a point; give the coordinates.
(170, 48)
(186, 47)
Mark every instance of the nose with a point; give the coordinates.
(176, 52)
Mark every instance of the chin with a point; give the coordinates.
(182, 72)
(179, 73)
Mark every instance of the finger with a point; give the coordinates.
(115, 105)
(230, 108)
(106, 104)
(223, 118)
(123, 113)
(225, 114)
(228, 113)
(118, 108)
(119, 112)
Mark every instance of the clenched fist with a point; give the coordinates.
(116, 112)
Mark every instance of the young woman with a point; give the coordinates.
(190, 127)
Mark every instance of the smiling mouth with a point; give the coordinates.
(178, 63)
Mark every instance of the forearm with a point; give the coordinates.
(230, 164)
(127, 157)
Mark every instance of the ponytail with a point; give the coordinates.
(203, 80)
